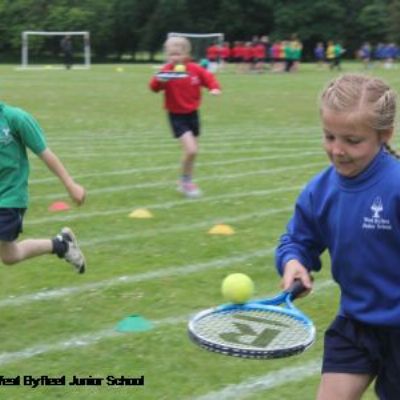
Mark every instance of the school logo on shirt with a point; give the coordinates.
(375, 220)
(377, 207)
(5, 136)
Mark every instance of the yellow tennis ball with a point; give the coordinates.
(179, 68)
(237, 288)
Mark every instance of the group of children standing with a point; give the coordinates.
(331, 55)
(255, 55)
(384, 54)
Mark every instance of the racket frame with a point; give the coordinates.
(271, 305)
(170, 75)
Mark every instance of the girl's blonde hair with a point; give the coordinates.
(178, 43)
(368, 97)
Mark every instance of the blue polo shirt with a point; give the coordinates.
(358, 221)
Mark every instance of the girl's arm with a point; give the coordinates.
(76, 191)
(300, 247)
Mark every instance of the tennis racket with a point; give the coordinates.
(260, 329)
(168, 75)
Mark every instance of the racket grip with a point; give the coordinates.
(297, 288)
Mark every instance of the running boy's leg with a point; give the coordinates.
(14, 252)
(190, 150)
(64, 245)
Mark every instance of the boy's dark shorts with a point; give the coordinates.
(11, 223)
(182, 123)
(356, 348)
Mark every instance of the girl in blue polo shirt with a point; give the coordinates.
(352, 209)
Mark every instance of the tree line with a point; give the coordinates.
(129, 27)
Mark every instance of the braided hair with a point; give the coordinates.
(369, 97)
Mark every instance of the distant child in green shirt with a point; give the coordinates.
(19, 131)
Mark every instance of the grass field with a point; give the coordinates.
(260, 145)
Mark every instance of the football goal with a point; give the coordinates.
(200, 42)
(33, 40)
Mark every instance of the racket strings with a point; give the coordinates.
(254, 330)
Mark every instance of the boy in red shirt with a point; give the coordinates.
(182, 99)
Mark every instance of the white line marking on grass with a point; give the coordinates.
(136, 154)
(285, 155)
(166, 205)
(88, 339)
(163, 135)
(145, 147)
(91, 338)
(209, 145)
(182, 228)
(124, 188)
(145, 276)
(74, 342)
(271, 380)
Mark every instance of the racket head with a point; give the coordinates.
(252, 330)
(169, 75)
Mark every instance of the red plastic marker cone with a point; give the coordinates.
(59, 206)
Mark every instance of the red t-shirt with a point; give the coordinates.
(238, 51)
(183, 95)
(248, 53)
(259, 51)
(213, 53)
(225, 52)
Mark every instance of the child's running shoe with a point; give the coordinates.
(189, 189)
(74, 254)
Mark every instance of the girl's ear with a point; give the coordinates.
(386, 135)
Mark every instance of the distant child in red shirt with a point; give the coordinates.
(259, 56)
(213, 54)
(225, 53)
(182, 100)
(248, 56)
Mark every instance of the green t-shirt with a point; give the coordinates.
(18, 130)
(338, 50)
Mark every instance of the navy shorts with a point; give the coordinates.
(182, 123)
(11, 223)
(354, 347)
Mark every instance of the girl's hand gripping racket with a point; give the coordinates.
(268, 328)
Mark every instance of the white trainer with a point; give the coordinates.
(74, 254)
(189, 189)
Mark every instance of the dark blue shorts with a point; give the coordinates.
(11, 223)
(182, 123)
(354, 347)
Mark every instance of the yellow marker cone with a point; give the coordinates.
(221, 229)
(141, 213)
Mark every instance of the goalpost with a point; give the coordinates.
(200, 42)
(25, 47)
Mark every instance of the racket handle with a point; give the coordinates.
(297, 288)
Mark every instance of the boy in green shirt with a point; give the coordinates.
(19, 131)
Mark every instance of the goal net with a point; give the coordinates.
(33, 43)
(200, 42)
